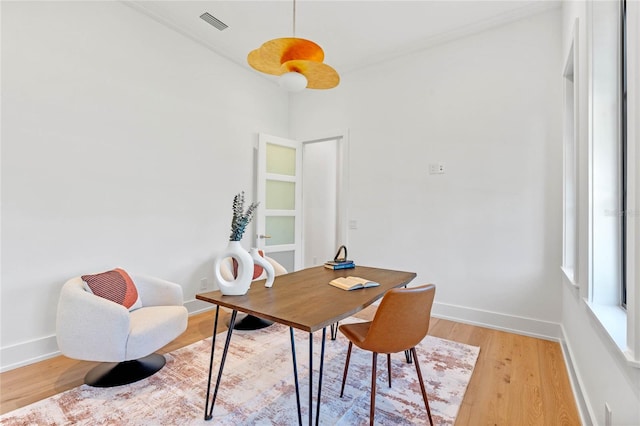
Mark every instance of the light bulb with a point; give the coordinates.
(293, 81)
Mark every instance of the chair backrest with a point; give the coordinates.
(402, 319)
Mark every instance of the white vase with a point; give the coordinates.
(268, 267)
(240, 285)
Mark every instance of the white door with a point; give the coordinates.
(279, 192)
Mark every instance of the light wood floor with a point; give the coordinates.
(518, 380)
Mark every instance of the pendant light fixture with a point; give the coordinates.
(297, 61)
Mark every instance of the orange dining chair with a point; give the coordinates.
(400, 323)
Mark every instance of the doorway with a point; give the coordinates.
(323, 195)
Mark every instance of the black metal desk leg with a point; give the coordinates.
(324, 335)
(407, 355)
(208, 415)
(213, 345)
(295, 374)
(310, 379)
(334, 330)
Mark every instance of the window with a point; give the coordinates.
(612, 267)
(570, 141)
(624, 158)
(608, 156)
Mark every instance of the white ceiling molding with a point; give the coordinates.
(357, 34)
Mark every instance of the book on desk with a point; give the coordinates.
(352, 283)
(340, 260)
(342, 264)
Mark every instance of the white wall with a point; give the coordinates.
(488, 231)
(123, 143)
(600, 369)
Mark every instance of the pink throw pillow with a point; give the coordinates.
(116, 286)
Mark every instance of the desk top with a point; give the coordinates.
(305, 300)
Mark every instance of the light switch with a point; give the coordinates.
(436, 169)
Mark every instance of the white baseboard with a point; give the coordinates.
(587, 416)
(511, 323)
(36, 350)
(196, 306)
(26, 353)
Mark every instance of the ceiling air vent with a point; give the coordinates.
(213, 21)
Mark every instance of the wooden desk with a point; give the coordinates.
(302, 300)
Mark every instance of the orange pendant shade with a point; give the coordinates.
(272, 54)
(291, 54)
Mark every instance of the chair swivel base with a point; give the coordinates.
(110, 374)
(251, 322)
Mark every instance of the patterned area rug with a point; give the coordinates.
(257, 386)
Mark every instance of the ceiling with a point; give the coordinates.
(353, 34)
